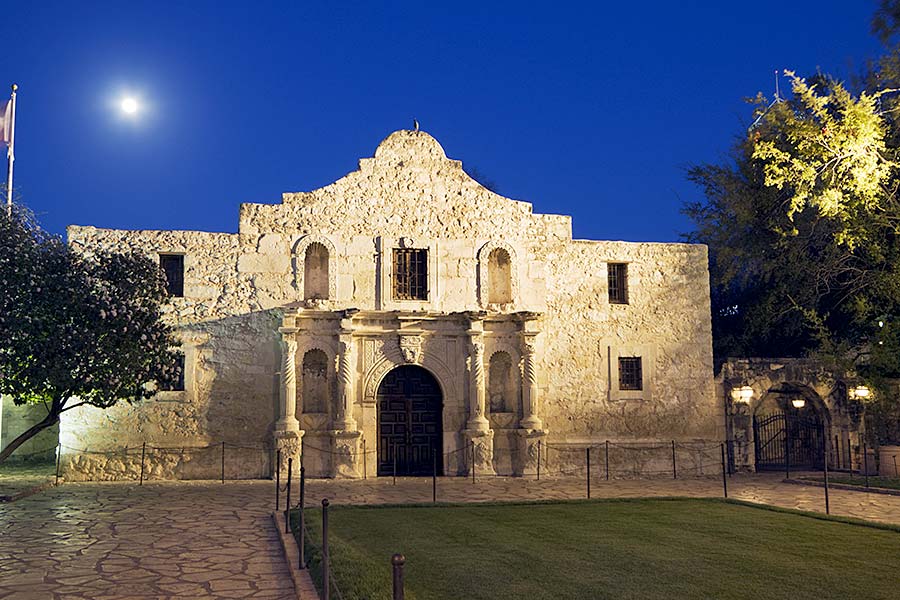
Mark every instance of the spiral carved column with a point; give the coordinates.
(344, 418)
(287, 429)
(530, 398)
(479, 435)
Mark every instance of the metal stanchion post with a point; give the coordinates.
(473, 461)
(849, 456)
(866, 462)
(674, 469)
(539, 461)
(223, 462)
(398, 560)
(302, 484)
(287, 504)
(587, 464)
(302, 543)
(606, 458)
(787, 450)
(894, 456)
(143, 452)
(825, 456)
(724, 474)
(434, 475)
(326, 587)
(365, 457)
(302, 516)
(394, 455)
(59, 452)
(278, 481)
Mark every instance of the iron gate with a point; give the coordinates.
(788, 442)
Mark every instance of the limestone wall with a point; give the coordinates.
(410, 195)
(666, 322)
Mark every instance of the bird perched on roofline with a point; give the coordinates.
(415, 125)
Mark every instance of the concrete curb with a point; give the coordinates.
(303, 584)
(841, 486)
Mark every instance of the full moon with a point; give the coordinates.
(129, 106)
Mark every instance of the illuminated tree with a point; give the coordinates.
(77, 328)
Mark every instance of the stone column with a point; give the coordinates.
(477, 420)
(530, 406)
(346, 458)
(478, 434)
(531, 432)
(346, 386)
(287, 429)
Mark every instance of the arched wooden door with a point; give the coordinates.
(409, 422)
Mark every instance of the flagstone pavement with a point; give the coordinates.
(105, 541)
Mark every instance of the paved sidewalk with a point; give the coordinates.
(105, 541)
(762, 488)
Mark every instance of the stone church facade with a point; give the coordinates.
(405, 317)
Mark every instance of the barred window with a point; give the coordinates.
(173, 266)
(410, 274)
(630, 373)
(618, 282)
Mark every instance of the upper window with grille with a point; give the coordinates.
(410, 274)
(631, 376)
(618, 282)
(173, 266)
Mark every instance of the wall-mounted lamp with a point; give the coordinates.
(860, 392)
(798, 403)
(742, 394)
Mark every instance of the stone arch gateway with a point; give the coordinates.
(410, 404)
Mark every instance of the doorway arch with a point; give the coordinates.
(788, 435)
(410, 427)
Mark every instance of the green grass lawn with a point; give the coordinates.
(653, 548)
(858, 480)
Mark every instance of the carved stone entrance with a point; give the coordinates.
(409, 422)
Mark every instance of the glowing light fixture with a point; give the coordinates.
(742, 394)
(129, 106)
(860, 392)
(798, 402)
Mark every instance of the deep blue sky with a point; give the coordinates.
(593, 110)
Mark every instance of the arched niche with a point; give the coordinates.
(315, 268)
(498, 275)
(502, 388)
(315, 381)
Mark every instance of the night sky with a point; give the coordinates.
(593, 110)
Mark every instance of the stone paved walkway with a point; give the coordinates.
(764, 489)
(106, 541)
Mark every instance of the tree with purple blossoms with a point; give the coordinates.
(77, 328)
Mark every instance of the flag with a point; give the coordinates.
(6, 122)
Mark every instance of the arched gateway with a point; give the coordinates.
(409, 403)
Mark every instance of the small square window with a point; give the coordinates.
(410, 274)
(173, 266)
(618, 282)
(631, 376)
(178, 384)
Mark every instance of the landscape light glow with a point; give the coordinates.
(861, 392)
(742, 394)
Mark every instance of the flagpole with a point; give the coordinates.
(10, 154)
